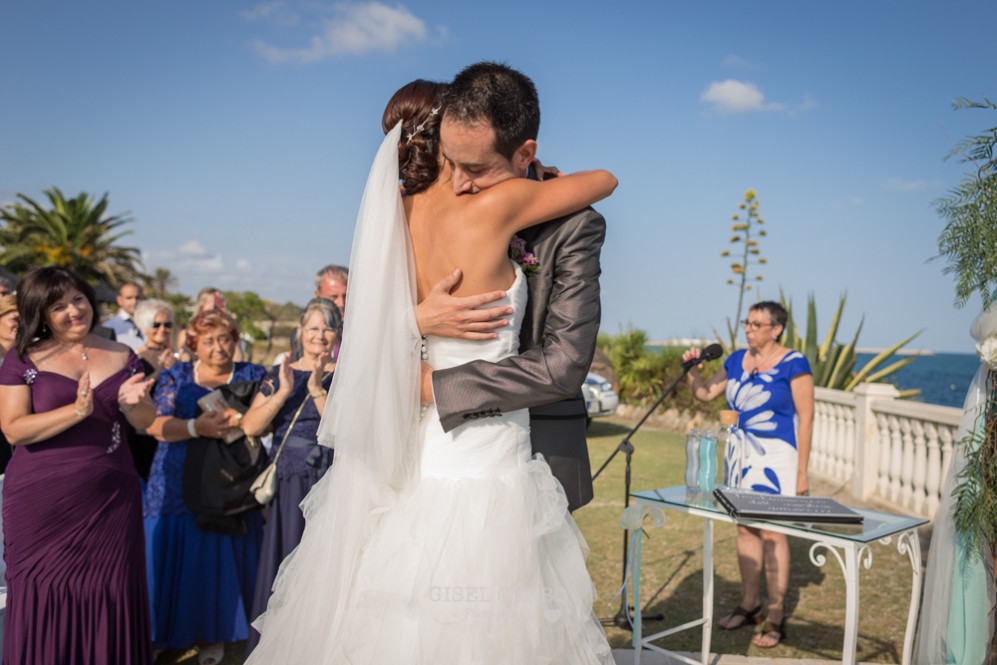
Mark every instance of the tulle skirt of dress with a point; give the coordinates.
(479, 563)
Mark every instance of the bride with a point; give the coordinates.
(423, 546)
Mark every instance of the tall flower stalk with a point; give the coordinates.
(744, 238)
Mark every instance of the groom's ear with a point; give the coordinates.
(524, 156)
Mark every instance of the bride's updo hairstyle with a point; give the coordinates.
(417, 106)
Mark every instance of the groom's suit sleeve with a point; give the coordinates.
(555, 367)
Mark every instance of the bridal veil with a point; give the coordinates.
(370, 421)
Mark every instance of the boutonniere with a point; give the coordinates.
(526, 259)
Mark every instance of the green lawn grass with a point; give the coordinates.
(671, 581)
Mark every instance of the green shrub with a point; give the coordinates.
(645, 373)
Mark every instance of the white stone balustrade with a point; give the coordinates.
(888, 449)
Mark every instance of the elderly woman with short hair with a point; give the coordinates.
(201, 582)
(290, 404)
(155, 319)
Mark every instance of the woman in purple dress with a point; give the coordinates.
(72, 504)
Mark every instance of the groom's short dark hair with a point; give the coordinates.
(495, 92)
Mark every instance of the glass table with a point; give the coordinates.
(849, 544)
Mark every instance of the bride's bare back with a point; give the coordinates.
(472, 231)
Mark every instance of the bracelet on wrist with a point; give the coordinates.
(79, 414)
(192, 428)
(319, 393)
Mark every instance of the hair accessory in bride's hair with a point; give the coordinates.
(422, 125)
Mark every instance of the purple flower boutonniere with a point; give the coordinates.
(526, 259)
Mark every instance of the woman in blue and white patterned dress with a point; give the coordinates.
(772, 389)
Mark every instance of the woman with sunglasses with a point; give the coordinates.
(155, 319)
(772, 388)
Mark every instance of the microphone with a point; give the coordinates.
(712, 352)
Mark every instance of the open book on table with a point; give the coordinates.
(741, 504)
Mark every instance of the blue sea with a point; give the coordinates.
(943, 378)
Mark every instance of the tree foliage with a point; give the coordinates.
(643, 373)
(161, 283)
(75, 233)
(249, 309)
(969, 241)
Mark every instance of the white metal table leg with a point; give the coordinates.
(850, 645)
(707, 589)
(908, 543)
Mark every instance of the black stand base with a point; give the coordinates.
(625, 619)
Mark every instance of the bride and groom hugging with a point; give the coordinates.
(442, 533)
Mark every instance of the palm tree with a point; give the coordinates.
(75, 233)
(162, 282)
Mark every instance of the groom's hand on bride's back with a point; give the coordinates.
(444, 315)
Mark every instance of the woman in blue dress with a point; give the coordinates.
(200, 582)
(290, 404)
(772, 389)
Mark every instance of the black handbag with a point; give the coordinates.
(217, 475)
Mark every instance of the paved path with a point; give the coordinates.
(626, 657)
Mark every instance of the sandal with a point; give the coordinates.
(211, 655)
(746, 616)
(776, 631)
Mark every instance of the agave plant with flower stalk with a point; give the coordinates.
(833, 363)
(745, 236)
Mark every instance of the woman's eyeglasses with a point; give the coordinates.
(754, 325)
(162, 324)
(319, 331)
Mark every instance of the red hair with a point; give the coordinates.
(206, 321)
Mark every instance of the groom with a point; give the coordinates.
(488, 134)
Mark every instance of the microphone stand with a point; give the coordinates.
(623, 618)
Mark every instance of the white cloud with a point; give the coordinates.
(353, 29)
(735, 97)
(262, 11)
(733, 60)
(275, 12)
(901, 185)
(209, 264)
(808, 104)
(243, 264)
(192, 248)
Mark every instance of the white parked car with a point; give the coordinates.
(600, 398)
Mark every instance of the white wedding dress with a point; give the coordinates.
(466, 556)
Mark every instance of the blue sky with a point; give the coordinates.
(238, 135)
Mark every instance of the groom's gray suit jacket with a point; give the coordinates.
(557, 342)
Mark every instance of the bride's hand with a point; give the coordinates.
(444, 315)
(426, 392)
